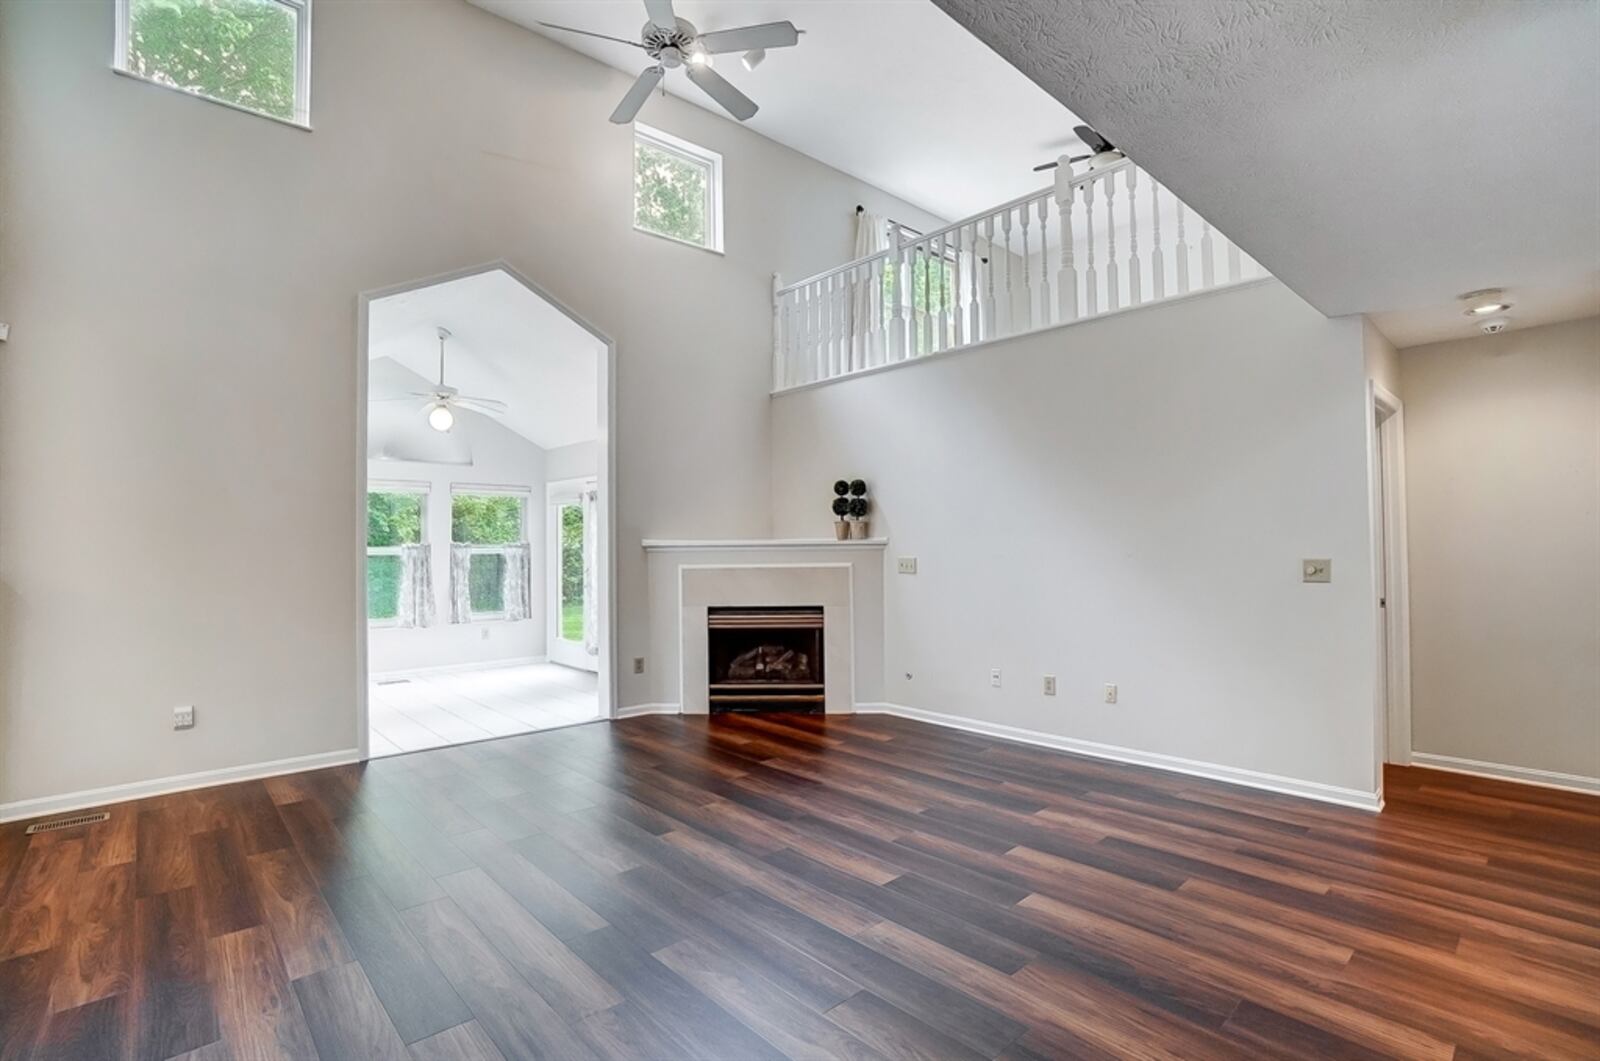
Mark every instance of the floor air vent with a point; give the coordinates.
(68, 823)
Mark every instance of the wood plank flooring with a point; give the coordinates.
(804, 887)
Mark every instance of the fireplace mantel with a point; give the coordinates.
(687, 577)
(726, 545)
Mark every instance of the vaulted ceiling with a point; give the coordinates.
(1375, 155)
(890, 91)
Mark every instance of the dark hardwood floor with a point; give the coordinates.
(791, 886)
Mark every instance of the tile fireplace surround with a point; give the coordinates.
(688, 577)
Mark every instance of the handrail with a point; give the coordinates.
(972, 219)
(1091, 243)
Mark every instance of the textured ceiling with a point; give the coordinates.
(1376, 155)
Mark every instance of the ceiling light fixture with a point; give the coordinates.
(753, 58)
(699, 57)
(440, 418)
(1484, 302)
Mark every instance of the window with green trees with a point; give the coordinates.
(247, 53)
(571, 572)
(676, 189)
(393, 519)
(487, 522)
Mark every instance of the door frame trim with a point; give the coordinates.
(1388, 477)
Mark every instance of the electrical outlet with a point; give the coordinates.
(1316, 571)
(994, 677)
(1049, 685)
(638, 664)
(908, 565)
(183, 717)
(1111, 693)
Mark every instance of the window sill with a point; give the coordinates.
(680, 242)
(294, 123)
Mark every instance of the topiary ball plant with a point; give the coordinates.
(841, 507)
(858, 507)
(858, 488)
(841, 488)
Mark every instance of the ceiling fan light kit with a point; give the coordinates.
(674, 43)
(443, 401)
(1487, 307)
(1102, 152)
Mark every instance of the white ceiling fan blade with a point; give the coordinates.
(660, 12)
(717, 87)
(482, 405)
(744, 38)
(637, 95)
(410, 397)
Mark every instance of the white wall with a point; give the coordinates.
(500, 457)
(580, 460)
(1503, 501)
(1125, 500)
(180, 484)
(1382, 359)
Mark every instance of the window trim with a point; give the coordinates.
(523, 494)
(395, 486)
(695, 155)
(301, 118)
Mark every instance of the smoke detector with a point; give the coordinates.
(1494, 325)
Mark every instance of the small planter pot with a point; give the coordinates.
(859, 528)
(841, 530)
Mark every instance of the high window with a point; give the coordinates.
(488, 523)
(251, 54)
(677, 189)
(396, 516)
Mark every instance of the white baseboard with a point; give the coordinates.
(98, 797)
(453, 668)
(1526, 774)
(1345, 797)
(635, 710)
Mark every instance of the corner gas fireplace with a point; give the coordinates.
(765, 659)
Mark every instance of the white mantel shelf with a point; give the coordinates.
(753, 545)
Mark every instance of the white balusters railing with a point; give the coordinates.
(1093, 243)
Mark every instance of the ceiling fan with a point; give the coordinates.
(673, 42)
(442, 401)
(1101, 152)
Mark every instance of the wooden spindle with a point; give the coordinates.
(1183, 252)
(1090, 280)
(1025, 318)
(1158, 265)
(974, 262)
(941, 338)
(1208, 265)
(1009, 310)
(1046, 303)
(777, 332)
(1235, 266)
(1135, 279)
(1067, 277)
(988, 273)
(895, 292)
(1113, 267)
(875, 309)
(958, 318)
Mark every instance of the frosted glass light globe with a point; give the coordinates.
(440, 418)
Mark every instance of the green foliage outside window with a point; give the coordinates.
(669, 194)
(392, 520)
(486, 583)
(931, 284)
(485, 519)
(571, 573)
(237, 51)
(383, 586)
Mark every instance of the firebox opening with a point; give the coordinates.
(766, 659)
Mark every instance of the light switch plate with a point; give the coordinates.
(183, 717)
(1316, 570)
(908, 565)
(994, 678)
(1049, 685)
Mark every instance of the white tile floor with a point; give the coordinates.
(452, 707)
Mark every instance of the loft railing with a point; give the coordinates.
(1093, 243)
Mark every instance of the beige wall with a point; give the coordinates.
(179, 472)
(1125, 500)
(1503, 501)
(1382, 359)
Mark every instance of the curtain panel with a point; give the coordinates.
(516, 582)
(460, 588)
(416, 586)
